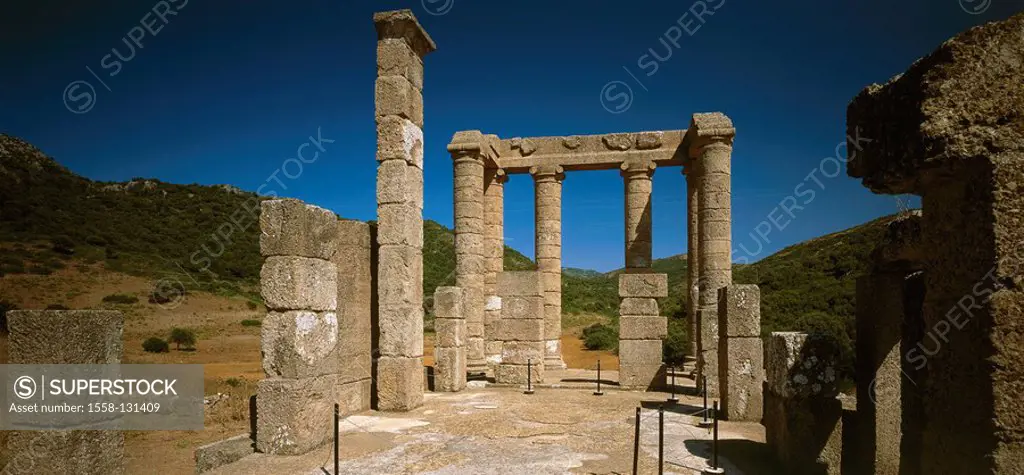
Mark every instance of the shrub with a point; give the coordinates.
(251, 305)
(183, 337)
(677, 344)
(234, 382)
(63, 245)
(125, 299)
(155, 345)
(251, 323)
(600, 337)
(56, 306)
(95, 241)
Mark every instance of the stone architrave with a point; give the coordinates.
(949, 130)
(401, 45)
(548, 213)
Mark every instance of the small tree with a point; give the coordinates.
(155, 345)
(183, 336)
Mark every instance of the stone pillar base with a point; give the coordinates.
(553, 355)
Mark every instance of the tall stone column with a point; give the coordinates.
(715, 236)
(467, 149)
(637, 175)
(548, 205)
(401, 45)
(692, 258)
(494, 254)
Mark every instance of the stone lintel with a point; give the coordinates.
(590, 152)
(402, 24)
(961, 102)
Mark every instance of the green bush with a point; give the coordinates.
(63, 245)
(600, 337)
(56, 306)
(125, 299)
(234, 382)
(251, 323)
(155, 345)
(677, 344)
(183, 337)
(251, 305)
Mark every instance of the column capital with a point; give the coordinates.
(498, 175)
(403, 25)
(472, 144)
(543, 173)
(708, 131)
(637, 168)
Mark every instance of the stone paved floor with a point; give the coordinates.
(489, 430)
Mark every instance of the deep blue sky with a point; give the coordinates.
(226, 91)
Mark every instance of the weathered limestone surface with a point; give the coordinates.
(401, 45)
(494, 252)
(450, 349)
(802, 417)
(692, 259)
(641, 333)
(42, 337)
(741, 352)
(949, 130)
(355, 306)
(292, 228)
(548, 213)
(521, 327)
(300, 344)
(468, 149)
(710, 139)
(294, 415)
(223, 452)
(299, 283)
(637, 176)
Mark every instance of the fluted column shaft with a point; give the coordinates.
(548, 208)
(469, 251)
(637, 176)
(494, 254)
(715, 236)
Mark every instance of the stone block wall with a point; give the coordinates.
(641, 330)
(401, 45)
(450, 343)
(740, 352)
(299, 337)
(521, 328)
(42, 337)
(802, 416)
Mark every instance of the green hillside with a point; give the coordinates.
(147, 227)
(206, 237)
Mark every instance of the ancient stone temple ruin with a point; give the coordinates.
(346, 300)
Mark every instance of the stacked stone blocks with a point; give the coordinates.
(521, 328)
(299, 285)
(641, 330)
(741, 352)
(402, 44)
(41, 337)
(450, 345)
